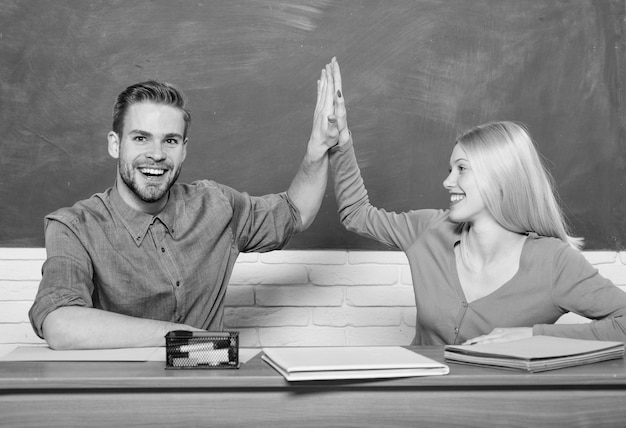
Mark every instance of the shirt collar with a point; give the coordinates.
(136, 222)
(169, 214)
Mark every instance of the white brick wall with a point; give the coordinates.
(285, 297)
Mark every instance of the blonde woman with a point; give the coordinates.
(499, 264)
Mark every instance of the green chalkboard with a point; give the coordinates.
(415, 73)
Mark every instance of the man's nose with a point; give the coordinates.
(155, 151)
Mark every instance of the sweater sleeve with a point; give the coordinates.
(579, 288)
(356, 213)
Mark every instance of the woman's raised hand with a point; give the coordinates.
(339, 103)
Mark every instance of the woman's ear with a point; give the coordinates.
(114, 144)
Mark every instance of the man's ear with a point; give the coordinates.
(114, 144)
(185, 148)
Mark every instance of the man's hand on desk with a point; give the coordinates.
(502, 335)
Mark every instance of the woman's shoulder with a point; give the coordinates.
(434, 224)
(551, 250)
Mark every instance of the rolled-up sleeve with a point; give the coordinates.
(262, 223)
(66, 275)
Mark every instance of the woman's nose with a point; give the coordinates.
(448, 183)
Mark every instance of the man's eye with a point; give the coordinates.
(139, 138)
(172, 141)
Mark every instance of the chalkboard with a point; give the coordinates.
(415, 74)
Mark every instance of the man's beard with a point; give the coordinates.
(151, 192)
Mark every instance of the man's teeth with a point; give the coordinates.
(455, 198)
(151, 171)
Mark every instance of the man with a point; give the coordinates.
(149, 255)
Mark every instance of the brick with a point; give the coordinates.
(380, 336)
(377, 257)
(400, 295)
(342, 317)
(239, 296)
(299, 296)
(409, 316)
(18, 333)
(266, 317)
(310, 336)
(572, 318)
(614, 272)
(405, 276)
(21, 270)
(323, 257)
(600, 257)
(18, 290)
(14, 312)
(248, 258)
(253, 274)
(23, 254)
(248, 338)
(354, 275)
(5, 349)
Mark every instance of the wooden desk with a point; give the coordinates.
(64, 394)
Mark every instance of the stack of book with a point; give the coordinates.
(358, 362)
(536, 353)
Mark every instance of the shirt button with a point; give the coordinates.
(162, 249)
(177, 283)
(456, 330)
(465, 304)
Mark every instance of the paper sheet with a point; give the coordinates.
(44, 353)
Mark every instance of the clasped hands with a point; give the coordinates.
(330, 125)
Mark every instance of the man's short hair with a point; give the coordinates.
(148, 91)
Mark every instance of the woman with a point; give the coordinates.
(499, 263)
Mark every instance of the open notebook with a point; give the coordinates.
(536, 353)
(358, 362)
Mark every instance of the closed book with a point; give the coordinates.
(350, 362)
(536, 353)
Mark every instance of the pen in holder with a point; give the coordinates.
(202, 349)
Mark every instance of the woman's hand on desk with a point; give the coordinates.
(502, 335)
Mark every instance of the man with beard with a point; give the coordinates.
(150, 255)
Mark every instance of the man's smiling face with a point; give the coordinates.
(150, 154)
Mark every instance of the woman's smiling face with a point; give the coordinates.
(466, 202)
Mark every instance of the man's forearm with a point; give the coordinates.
(309, 185)
(76, 327)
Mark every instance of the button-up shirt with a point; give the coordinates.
(172, 266)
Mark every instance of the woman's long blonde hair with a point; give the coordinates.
(516, 187)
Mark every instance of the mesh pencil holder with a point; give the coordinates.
(202, 350)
